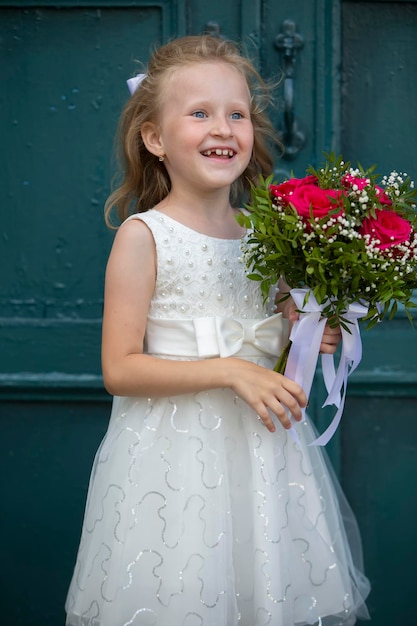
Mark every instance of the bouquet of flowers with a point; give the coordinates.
(347, 246)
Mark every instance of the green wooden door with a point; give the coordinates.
(379, 439)
(63, 67)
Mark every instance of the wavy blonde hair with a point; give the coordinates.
(144, 180)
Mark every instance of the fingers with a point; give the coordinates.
(293, 316)
(266, 419)
(330, 340)
(296, 397)
(289, 310)
(287, 400)
(265, 414)
(267, 392)
(293, 313)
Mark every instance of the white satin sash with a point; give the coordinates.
(216, 336)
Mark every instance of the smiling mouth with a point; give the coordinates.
(219, 152)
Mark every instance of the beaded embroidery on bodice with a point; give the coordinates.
(198, 275)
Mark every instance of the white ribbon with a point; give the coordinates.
(133, 83)
(306, 336)
(225, 336)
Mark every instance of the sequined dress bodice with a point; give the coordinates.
(198, 275)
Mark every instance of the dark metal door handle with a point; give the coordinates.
(213, 28)
(289, 42)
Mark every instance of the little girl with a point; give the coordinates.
(202, 509)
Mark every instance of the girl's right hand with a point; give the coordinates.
(264, 389)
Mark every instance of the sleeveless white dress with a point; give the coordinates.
(196, 514)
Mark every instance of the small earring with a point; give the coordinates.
(162, 157)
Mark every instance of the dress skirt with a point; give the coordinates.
(198, 516)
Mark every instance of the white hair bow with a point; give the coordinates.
(133, 83)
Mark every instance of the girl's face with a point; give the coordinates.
(205, 128)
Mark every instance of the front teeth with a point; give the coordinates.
(219, 152)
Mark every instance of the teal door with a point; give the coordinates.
(63, 69)
(379, 437)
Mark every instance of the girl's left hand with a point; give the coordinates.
(331, 336)
(330, 340)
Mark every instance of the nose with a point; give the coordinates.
(221, 127)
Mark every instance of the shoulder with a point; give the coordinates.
(135, 230)
(133, 244)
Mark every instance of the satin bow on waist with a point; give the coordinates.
(206, 337)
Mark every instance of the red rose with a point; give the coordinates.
(309, 199)
(285, 190)
(305, 195)
(388, 227)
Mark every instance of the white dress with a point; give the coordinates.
(196, 514)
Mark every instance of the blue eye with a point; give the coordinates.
(199, 114)
(236, 116)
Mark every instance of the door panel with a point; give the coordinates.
(379, 469)
(48, 445)
(379, 439)
(63, 73)
(379, 116)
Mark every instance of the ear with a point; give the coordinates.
(152, 138)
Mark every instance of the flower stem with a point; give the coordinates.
(283, 358)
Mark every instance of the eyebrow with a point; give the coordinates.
(206, 103)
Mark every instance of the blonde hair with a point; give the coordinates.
(144, 180)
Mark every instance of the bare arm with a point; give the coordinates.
(130, 281)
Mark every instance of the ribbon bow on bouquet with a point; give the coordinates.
(305, 338)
